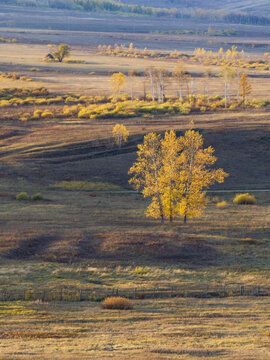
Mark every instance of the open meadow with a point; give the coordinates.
(74, 231)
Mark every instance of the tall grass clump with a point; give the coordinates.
(117, 303)
(244, 199)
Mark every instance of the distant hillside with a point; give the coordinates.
(227, 11)
(259, 7)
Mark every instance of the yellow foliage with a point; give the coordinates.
(120, 134)
(175, 173)
(117, 82)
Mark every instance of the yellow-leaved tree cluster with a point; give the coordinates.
(175, 173)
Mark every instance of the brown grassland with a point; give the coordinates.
(89, 230)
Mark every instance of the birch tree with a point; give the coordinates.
(179, 74)
(117, 82)
(227, 74)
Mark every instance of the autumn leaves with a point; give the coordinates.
(175, 173)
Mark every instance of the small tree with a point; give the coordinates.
(180, 72)
(62, 52)
(245, 87)
(227, 74)
(132, 80)
(120, 134)
(150, 73)
(208, 75)
(117, 82)
(161, 75)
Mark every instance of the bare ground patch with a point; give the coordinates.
(155, 245)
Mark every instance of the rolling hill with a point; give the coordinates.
(260, 7)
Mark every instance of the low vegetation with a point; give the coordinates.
(22, 196)
(222, 204)
(244, 199)
(117, 303)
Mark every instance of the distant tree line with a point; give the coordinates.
(113, 6)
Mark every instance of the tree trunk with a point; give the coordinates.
(181, 95)
(185, 219)
(225, 94)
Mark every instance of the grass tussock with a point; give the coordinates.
(244, 199)
(117, 303)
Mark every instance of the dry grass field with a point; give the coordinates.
(187, 329)
(92, 77)
(89, 232)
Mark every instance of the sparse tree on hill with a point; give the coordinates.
(117, 82)
(245, 87)
(62, 52)
(120, 134)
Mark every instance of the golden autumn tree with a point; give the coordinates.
(195, 175)
(146, 174)
(169, 174)
(62, 52)
(117, 82)
(120, 134)
(175, 173)
(245, 87)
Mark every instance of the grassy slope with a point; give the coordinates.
(103, 230)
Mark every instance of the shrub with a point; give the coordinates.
(37, 196)
(140, 270)
(47, 114)
(22, 196)
(25, 117)
(37, 114)
(244, 199)
(222, 204)
(117, 303)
